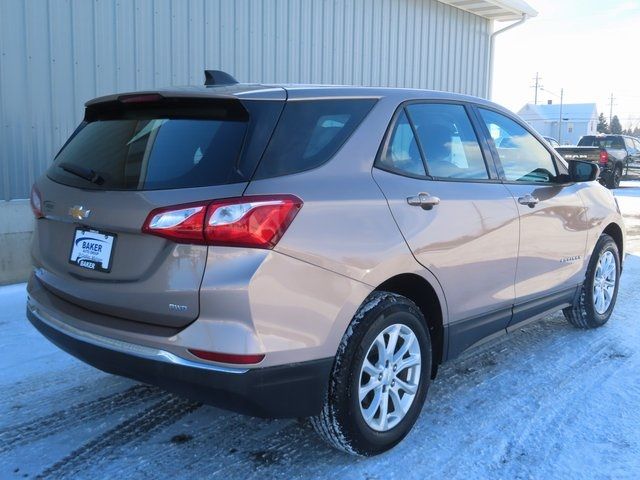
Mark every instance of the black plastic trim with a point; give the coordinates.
(472, 331)
(536, 308)
(286, 391)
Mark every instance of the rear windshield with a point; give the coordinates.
(602, 142)
(151, 153)
(142, 149)
(310, 133)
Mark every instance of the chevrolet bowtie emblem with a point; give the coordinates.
(78, 212)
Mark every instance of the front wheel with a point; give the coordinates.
(380, 377)
(600, 288)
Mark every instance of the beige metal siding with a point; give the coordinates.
(57, 54)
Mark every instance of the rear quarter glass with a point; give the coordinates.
(309, 133)
(157, 149)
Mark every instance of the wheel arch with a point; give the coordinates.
(424, 295)
(615, 232)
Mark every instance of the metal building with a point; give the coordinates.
(57, 54)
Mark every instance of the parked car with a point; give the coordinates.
(614, 154)
(552, 141)
(317, 252)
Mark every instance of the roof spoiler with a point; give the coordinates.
(218, 77)
(165, 105)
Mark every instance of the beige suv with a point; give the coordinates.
(315, 252)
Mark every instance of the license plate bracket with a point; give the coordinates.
(92, 249)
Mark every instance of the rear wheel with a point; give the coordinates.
(380, 377)
(615, 177)
(600, 288)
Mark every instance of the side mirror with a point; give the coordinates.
(580, 171)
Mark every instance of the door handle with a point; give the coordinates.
(529, 200)
(424, 200)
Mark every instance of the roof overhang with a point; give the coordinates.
(500, 10)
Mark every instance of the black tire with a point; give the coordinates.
(341, 422)
(614, 178)
(617, 177)
(583, 313)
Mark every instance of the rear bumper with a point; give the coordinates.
(286, 391)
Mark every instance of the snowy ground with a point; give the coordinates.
(549, 401)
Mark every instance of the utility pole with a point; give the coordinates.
(611, 109)
(537, 86)
(560, 119)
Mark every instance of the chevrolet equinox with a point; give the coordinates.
(311, 251)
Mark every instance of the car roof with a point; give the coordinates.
(300, 92)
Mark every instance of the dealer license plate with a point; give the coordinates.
(92, 249)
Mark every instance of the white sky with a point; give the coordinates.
(590, 48)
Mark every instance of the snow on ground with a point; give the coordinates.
(548, 401)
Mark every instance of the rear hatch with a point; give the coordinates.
(132, 154)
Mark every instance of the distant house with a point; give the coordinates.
(578, 119)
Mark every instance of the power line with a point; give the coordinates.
(549, 91)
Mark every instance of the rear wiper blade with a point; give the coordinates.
(82, 172)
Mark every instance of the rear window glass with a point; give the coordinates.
(151, 153)
(602, 142)
(310, 133)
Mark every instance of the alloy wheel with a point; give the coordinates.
(604, 282)
(389, 377)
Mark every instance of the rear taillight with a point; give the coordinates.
(182, 223)
(251, 221)
(254, 221)
(228, 357)
(36, 202)
(604, 157)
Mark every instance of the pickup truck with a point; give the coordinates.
(614, 154)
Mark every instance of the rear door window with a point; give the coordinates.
(401, 154)
(309, 133)
(448, 141)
